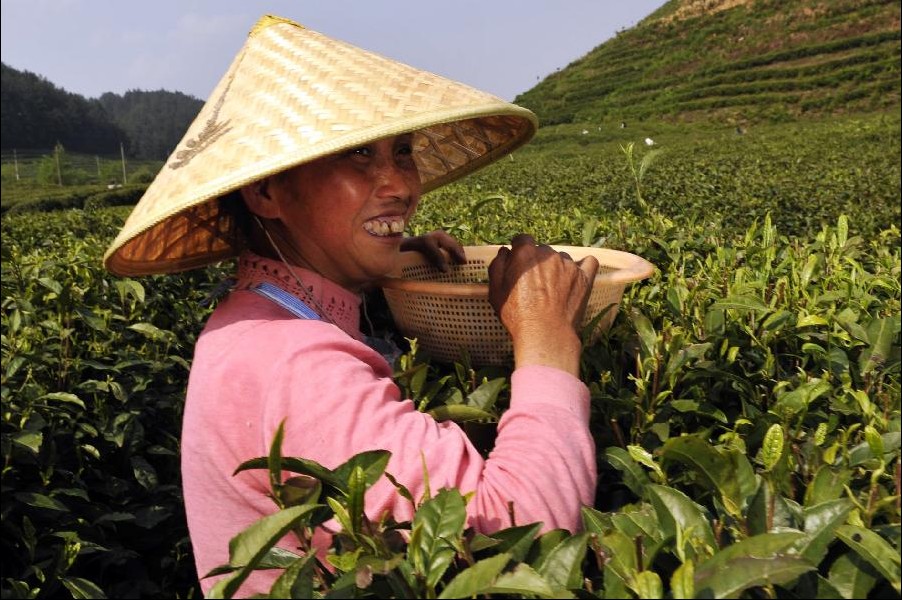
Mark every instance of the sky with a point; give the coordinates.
(503, 47)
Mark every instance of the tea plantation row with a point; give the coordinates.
(746, 402)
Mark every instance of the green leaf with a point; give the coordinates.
(296, 581)
(741, 303)
(873, 548)
(459, 413)
(821, 522)
(477, 579)
(772, 446)
(593, 520)
(863, 452)
(525, 581)
(51, 285)
(30, 440)
(151, 331)
(687, 354)
(641, 520)
(515, 541)
(676, 510)
(811, 320)
(274, 462)
(144, 472)
(725, 471)
(356, 494)
(765, 545)
(645, 458)
(682, 582)
(735, 576)
(648, 339)
(880, 334)
(647, 584)
(248, 547)
(64, 397)
(852, 576)
(874, 441)
(40, 501)
(299, 465)
(441, 522)
(795, 401)
(827, 484)
(621, 550)
(341, 515)
(486, 394)
(562, 566)
(633, 476)
(82, 588)
(130, 287)
(91, 319)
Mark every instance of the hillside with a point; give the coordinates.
(734, 61)
(35, 114)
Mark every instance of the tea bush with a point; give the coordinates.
(745, 402)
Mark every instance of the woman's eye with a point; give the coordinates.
(361, 151)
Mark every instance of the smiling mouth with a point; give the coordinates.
(385, 226)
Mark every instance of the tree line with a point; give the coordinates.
(35, 113)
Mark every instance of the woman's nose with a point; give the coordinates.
(393, 179)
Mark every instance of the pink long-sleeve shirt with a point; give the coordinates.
(256, 364)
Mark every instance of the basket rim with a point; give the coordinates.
(627, 267)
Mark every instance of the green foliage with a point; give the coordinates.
(751, 62)
(34, 113)
(745, 402)
(93, 373)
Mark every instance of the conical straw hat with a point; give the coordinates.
(290, 96)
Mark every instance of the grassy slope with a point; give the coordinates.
(765, 60)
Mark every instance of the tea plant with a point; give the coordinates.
(745, 401)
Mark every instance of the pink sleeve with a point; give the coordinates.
(339, 400)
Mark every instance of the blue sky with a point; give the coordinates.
(501, 46)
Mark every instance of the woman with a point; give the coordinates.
(308, 162)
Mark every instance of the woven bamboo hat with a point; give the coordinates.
(292, 95)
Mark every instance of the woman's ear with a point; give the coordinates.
(259, 202)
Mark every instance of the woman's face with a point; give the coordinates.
(345, 214)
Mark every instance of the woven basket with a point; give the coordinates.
(450, 312)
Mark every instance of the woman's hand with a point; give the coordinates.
(438, 246)
(540, 295)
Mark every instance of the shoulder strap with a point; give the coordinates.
(291, 303)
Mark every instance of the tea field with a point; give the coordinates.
(745, 403)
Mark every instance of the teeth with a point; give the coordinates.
(385, 227)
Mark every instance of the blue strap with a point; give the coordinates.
(291, 303)
(296, 306)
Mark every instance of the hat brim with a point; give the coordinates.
(292, 96)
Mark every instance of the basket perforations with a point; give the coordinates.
(454, 316)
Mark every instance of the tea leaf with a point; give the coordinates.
(441, 521)
(523, 580)
(476, 579)
(873, 548)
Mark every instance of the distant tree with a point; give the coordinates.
(34, 113)
(155, 121)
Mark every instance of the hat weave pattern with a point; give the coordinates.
(290, 96)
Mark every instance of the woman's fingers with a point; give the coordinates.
(589, 266)
(438, 247)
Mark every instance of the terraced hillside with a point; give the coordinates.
(735, 61)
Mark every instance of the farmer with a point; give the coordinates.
(307, 163)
